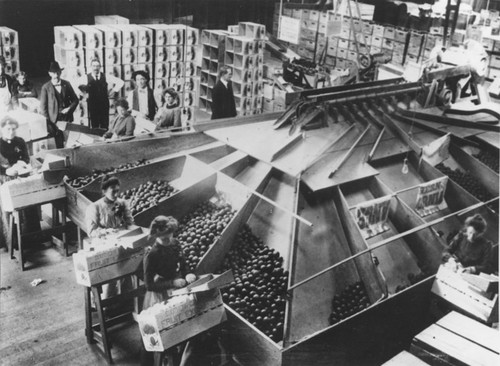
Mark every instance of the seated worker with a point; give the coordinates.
(109, 212)
(23, 88)
(169, 115)
(123, 124)
(469, 251)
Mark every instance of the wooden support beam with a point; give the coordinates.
(348, 153)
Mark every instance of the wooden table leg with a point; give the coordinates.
(10, 234)
(19, 237)
(88, 316)
(80, 241)
(64, 236)
(96, 290)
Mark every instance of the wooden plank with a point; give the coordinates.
(211, 155)
(250, 346)
(288, 144)
(472, 330)
(443, 344)
(405, 358)
(234, 158)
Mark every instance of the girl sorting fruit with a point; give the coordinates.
(109, 213)
(469, 251)
(164, 269)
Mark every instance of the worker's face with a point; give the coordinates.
(169, 99)
(228, 76)
(96, 67)
(141, 81)
(9, 131)
(21, 79)
(55, 76)
(111, 193)
(121, 111)
(471, 233)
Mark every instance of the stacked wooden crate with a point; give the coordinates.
(244, 53)
(9, 49)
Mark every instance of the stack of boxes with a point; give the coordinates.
(9, 49)
(166, 52)
(244, 53)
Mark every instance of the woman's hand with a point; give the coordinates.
(469, 270)
(179, 283)
(190, 278)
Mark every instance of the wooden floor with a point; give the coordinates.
(44, 325)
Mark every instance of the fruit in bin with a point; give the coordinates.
(467, 181)
(259, 291)
(488, 159)
(147, 195)
(201, 228)
(350, 301)
(80, 182)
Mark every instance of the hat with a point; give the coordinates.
(54, 67)
(140, 72)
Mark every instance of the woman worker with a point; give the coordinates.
(164, 268)
(109, 212)
(169, 115)
(469, 251)
(14, 159)
(123, 124)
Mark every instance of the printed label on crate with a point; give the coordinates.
(371, 216)
(289, 30)
(430, 197)
(150, 333)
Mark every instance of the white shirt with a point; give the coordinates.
(57, 86)
(224, 82)
(114, 83)
(143, 101)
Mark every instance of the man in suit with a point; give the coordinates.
(223, 105)
(57, 102)
(141, 99)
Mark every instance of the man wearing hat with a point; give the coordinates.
(141, 99)
(58, 100)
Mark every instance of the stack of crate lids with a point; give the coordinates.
(457, 340)
(475, 294)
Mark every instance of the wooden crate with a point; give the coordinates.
(111, 36)
(92, 36)
(453, 288)
(114, 256)
(68, 37)
(179, 319)
(129, 34)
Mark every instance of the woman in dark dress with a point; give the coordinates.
(164, 268)
(14, 157)
(469, 251)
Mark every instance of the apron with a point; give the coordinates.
(4, 96)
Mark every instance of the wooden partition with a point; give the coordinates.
(84, 159)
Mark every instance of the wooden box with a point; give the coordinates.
(92, 36)
(91, 54)
(111, 36)
(129, 34)
(112, 58)
(144, 36)
(8, 36)
(129, 55)
(145, 55)
(179, 319)
(68, 37)
(116, 255)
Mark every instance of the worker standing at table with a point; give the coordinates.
(14, 157)
(141, 99)
(99, 89)
(5, 88)
(164, 268)
(469, 251)
(223, 104)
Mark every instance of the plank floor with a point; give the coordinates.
(44, 325)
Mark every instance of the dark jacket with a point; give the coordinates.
(23, 91)
(223, 105)
(11, 153)
(469, 254)
(50, 105)
(121, 126)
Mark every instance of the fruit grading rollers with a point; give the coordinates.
(280, 184)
